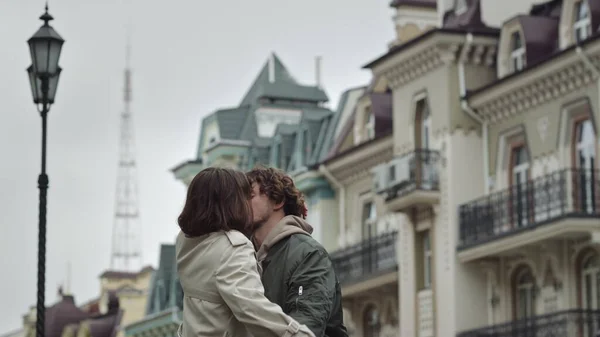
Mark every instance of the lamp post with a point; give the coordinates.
(45, 46)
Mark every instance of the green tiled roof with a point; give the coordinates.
(284, 93)
(231, 121)
(286, 129)
(284, 86)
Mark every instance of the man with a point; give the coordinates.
(297, 272)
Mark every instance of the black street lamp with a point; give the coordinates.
(45, 46)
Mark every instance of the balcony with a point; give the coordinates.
(409, 180)
(366, 264)
(570, 323)
(564, 203)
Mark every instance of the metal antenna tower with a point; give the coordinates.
(126, 254)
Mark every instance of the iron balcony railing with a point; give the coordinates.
(369, 257)
(565, 193)
(417, 170)
(569, 323)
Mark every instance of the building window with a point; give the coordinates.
(369, 215)
(589, 289)
(582, 26)
(590, 282)
(519, 171)
(524, 294)
(370, 125)
(461, 7)
(424, 259)
(371, 322)
(422, 125)
(517, 54)
(426, 242)
(585, 160)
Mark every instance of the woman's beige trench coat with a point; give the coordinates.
(222, 292)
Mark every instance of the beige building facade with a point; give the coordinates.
(460, 192)
(478, 211)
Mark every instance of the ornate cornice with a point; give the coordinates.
(413, 67)
(436, 53)
(542, 86)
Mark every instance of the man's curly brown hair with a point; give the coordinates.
(279, 187)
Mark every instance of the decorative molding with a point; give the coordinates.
(542, 127)
(547, 87)
(437, 54)
(413, 67)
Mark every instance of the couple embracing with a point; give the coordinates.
(247, 263)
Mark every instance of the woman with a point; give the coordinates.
(223, 294)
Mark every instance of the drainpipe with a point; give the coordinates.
(342, 205)
(464, 103)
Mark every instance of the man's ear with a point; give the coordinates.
(278, 206)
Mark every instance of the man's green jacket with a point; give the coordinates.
(297, 274)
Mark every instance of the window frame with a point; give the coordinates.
(518, 59)
(581, 24)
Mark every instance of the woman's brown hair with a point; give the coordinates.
(217, 199)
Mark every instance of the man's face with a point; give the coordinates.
(262, 207)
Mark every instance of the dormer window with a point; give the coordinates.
(370, 125)
(517, 54)
(460, 7)
(582, 25)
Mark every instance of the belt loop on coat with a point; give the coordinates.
(292, 329)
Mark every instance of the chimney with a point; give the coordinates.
(272, 68)
(318, 70)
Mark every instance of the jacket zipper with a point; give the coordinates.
(299, 294)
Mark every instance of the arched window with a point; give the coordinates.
(422, 124)
(589, 276)
(422, 168)
(590, 282)
(424, 118)
(582, 26)
(371, 323)
(585, 160)
(524, 294)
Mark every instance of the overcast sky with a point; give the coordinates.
(189, 58)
